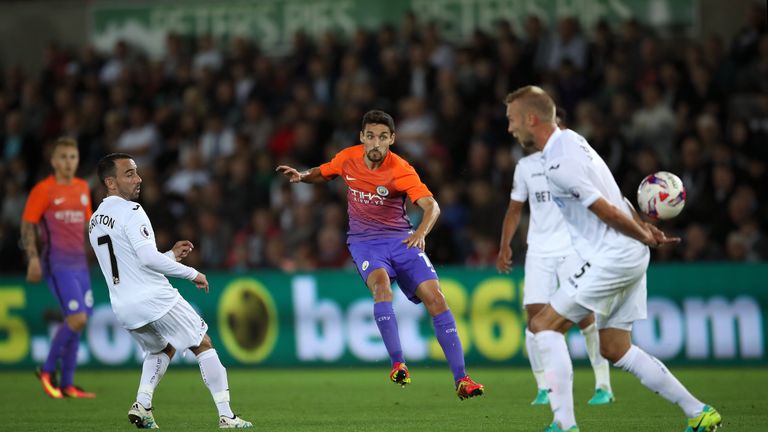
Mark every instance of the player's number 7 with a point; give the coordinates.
(427, 261)
(105, 239)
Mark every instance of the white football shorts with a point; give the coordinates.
(182, 327)
(616, 293)
(541, 278)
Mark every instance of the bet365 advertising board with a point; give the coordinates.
(697, 314)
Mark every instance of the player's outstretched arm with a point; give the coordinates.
(431, 213)
(151, 258)
(29, 239)
(508, 229)
(311, 175)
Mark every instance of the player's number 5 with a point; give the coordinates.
(105, 239)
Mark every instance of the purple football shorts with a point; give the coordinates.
(408, 266)
(72, 288)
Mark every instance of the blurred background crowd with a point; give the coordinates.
(210, 121)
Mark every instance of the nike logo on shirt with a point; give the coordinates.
(350, 178)
(57, 201)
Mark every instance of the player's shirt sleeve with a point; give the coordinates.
(333, 168)
(37, 203)
(519, 186)
(408, 181)
(139, 230)
(570, 178)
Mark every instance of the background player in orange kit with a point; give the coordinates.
(384, 245)
(57, 211)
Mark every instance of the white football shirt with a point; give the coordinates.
(547, 232)
(139, 295)
(577, 177)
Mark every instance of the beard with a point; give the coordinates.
(527, 143)
(375, 155)
(134, 193)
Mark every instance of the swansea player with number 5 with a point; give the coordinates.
(145, 303)
(384, 245)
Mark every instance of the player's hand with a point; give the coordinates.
(659, 238)
(417, 239)
(34, 272)
(504, 260)
(293, 175)
(201, 282)
(182, 248)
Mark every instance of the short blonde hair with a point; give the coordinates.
(534, 98)
(65, 142)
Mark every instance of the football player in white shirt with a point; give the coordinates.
(549, 246)
(145, 303)
(608, 277)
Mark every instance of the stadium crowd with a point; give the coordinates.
(209, 122)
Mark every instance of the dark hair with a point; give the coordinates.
(378, 117)
(106, 166)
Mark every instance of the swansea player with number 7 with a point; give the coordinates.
(145, 303)
(383, 243)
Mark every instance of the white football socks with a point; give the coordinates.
(535, 358)
(215, 377)
(599, 363)
(152, 372)
(558, 372)
(653, 374)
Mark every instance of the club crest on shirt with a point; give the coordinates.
(365, 265)
(381, 190)
(83, 199)
(144, 231)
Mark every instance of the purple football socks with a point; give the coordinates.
(448, 337)
(387, 323)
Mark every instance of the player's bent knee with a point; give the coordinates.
(436, 305)
(169, 350)
(382, 293)
(547, 319)
(612, 352)
(205, 345)
(586, 322)
(77, 322)
(532, 310)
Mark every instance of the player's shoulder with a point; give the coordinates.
(44, 184)
(119, 205)
(351, 152)
(399, 165)
(80, 183)
(531, 161)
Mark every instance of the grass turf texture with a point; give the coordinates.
(365, 400)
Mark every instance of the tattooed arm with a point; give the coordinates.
(29, 240)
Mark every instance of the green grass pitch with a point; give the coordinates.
(364, 400)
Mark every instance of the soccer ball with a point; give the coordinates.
(661, 195)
